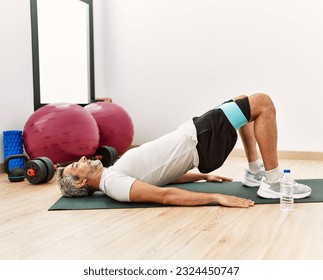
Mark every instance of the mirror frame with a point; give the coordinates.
(35, 54)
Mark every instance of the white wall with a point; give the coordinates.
(167, 60)
(16, 84)
(16, 80)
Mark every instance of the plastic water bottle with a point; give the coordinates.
(287, 192)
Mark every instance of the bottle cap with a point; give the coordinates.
(286, 170)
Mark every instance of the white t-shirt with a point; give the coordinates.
(158, 162)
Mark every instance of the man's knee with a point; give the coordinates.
(261, 103)
(267, 102)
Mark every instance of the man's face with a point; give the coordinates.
(84, 168)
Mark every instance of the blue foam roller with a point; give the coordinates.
(12, 145)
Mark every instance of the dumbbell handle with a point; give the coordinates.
(66, 163)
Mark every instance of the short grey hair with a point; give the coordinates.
(68, 185)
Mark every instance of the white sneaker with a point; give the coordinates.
(272, 190)
(253, 180)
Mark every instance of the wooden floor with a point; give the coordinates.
(29, 231)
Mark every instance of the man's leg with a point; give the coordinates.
(263, 114)
(248, 138)
(262, 130)
(255, 172)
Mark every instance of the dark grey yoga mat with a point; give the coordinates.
(100, 201)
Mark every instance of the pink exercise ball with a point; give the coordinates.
(62, 132)
(115, 125)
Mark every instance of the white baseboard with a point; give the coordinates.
(301, 155)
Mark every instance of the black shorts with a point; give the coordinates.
(217, 135)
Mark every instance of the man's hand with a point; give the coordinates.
(215, 178)
(233, 201)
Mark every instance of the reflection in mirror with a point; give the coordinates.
(62, 33)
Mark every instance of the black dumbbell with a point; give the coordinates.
(16, 174)
(42, 169)
(39, 170)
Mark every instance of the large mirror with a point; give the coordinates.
(63, 58)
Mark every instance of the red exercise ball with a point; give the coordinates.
(62, 132)
(115, 125)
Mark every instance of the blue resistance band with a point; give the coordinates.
(234, 114)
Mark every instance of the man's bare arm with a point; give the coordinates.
(143, 192)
